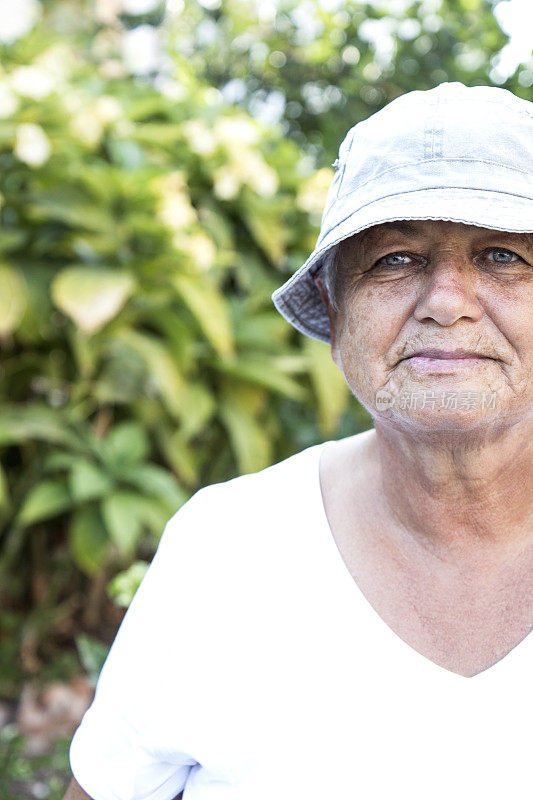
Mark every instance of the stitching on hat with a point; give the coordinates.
(404, 164)
(432, 188)
(437, 128)
(508, 103)
(342, 165)
(429, 131)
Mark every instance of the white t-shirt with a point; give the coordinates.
(250, 666)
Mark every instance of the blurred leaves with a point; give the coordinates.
(91, 297)
(12, 298)
(124, 585)
(92, 655)
(148, 208)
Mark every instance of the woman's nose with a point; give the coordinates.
(448, 292)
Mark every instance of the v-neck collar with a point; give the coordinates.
(391, 639)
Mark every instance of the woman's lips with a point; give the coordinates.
(426, 363)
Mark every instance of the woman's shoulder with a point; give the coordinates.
(273, 499)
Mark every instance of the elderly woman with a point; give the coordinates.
(355, 622)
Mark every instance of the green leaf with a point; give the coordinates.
(47, 499)
(34, 421)
(87, 481)
(331, 390)
(265, 223)
(89, 543)
(209, 307)
(120, 513)
(12, 239)
(125, 444)
(91, 297)
(13, 298)
(59, 461)
(262, 331)
(197, 407)
(123, 586)
(180, 454)
(161, 367)
(250, 443)
(263, 371)
(93, 654)
(4, 490)
(154, 514)
(71, 206)
(156, 481)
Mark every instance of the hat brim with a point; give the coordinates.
(298, 300)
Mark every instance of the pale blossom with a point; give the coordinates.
(32, 145)
(8, 102)
(175, 208)
(58, 61)
(312, 193)
(140, 6)
(201, 139)
(86, 126)
(226, 183)
(107, 109)
(202, 250)
(31, 81)
(236, 131)
(258, 175)
(17, 18)
(199, 246)
(141, 50)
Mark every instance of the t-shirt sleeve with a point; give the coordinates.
(132, 743)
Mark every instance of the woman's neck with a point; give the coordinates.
(472, 500)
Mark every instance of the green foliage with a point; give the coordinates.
(320, 68)
(124, 585)
(22, 775)
(92, 655)
(145, 220)
(144, 224)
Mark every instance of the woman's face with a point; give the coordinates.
(405, 287)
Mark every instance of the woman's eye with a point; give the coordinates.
(394, 260)
(502, 256)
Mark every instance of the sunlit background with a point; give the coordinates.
(163, 168)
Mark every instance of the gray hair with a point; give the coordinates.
(328, 271)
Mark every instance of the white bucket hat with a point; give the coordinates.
(456, 153)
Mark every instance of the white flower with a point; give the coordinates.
(226, 183)
(175, 208)
(263, 179)
(32, 144)
(32, 82)
(87, 127)
(8, 102)
(141, 50)
(199, 246)
(140, 6)
(312, 192)
(201, 139)
(58, 61)
(236, 131)
(170, 88)
(17, 18)
(202, 250)
(106, 11)
(107, 109)
(88, 122)
(253, 171)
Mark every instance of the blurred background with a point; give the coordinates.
(163, 168)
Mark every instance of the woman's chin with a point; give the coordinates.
(472, 424)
